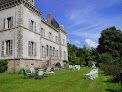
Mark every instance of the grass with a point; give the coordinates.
(60, 81)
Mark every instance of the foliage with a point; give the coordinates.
(111, 42)
(19, 71)
(110, 51)
(90, 64)
(58, 65)
(113, 70)
(80, 56)
(65, 61)
(37, 68)
(3, 66)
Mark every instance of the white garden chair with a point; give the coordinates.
(47, 71)
(93, 74)
(26, 74)
(70, 66)
(40, 73)
(32, 70)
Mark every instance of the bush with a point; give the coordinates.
(65, 61)
(112, 69)
(37, 68)
(3, 66)
(19, 71)
(58, 65)
(90, 64)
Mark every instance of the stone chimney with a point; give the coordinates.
(49, 18)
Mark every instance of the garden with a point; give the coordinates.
(61, 81)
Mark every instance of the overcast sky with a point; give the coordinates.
(83, 19)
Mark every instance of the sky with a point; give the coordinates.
(83, 20)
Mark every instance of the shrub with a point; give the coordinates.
(112, 69)
(58, 65)
(65, 61)
(19, 71)
(3, 66)
(28, 71)
(37, 68)
(90, 64)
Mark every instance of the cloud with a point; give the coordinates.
(77, 42)
(91, 43)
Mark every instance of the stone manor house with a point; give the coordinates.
(26, 39)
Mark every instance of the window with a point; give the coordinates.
(35, 27)
(53, 51)
(50, 51)
(56, 39)
(63, 41)
(7, 48)
(32, 25)
(64, 55)
(57, 53)
(42, 33)
(32, 51)
(47, 51)
(50, 36)
(8, 23)
(43, 51)
(2, 48)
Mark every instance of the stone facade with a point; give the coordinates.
(27, 37)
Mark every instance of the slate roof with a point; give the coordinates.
(4, 1)
(54, 23)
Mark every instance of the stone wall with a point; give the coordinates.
(27, 64)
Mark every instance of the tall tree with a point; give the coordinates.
(111, 42)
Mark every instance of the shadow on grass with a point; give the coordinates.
(110, 90)
(84, 78)
(114, 80)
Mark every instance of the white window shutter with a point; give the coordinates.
(8, 48)
(52, 37)
(30, 25)
(44, 52)
(57, 53)
(49, 35)
(29, 48)
(11, 47)
(4, 21)
(35, 50)
(35, 26)
(43, 33)
(11, 23)
(2, 53)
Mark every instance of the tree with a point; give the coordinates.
(111, 42)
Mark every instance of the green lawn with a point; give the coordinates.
(60, 81)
